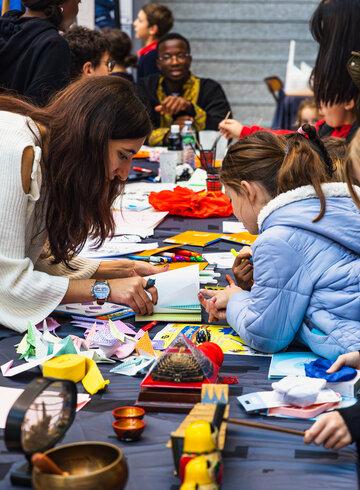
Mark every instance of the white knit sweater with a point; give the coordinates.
(28, 292)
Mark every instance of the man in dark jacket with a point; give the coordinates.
(34, 57)
(176, 95)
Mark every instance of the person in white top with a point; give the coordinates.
(62, 166)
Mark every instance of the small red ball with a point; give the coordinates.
(213, 352)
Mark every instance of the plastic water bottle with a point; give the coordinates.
(175, 143)
(188, 142)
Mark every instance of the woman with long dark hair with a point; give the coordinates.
(62, 166)
(335, 27)
(34, 57)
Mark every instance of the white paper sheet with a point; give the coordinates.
(140, 223)
(111, 248)
(222, 260)
(233, 227)
(178, 287)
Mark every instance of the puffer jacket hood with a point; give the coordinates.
(341, 222)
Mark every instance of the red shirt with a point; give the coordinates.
(340, 132)
(146, 49)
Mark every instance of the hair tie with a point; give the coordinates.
(302, 132)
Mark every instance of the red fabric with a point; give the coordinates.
(341, 132)
(185, 202)
(148, 48)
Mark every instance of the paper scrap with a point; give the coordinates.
(133, 365)
(144, 346)
(233, 227)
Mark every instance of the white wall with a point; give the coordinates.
(86, 16)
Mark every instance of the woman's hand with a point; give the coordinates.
(243, 269)
(330, 430)
(143, 268)
(230, 128)
(351, 359)
(131, 292)
(112, 269)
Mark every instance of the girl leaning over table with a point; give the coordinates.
(62, 166)
(303, 280)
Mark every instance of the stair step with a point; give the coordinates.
(253, 11)
(250, 50)
(246, 71)
(256, 31)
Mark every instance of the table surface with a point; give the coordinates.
(254, 459)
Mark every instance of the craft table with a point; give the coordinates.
(254, 459)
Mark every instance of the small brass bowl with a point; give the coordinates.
(128, 413)
(92, 465)
(128, 429)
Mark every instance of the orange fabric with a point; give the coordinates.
(185, 202)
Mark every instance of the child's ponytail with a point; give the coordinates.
(279, 163)
(306, 162)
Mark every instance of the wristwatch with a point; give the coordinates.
(100, 291)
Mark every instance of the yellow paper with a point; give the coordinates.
(203, 238)
(195, 238)
(76, 367)
(93, 380)
(144, 346)
(244, 237)
(67, 366)
(224, 336)
(180, 265)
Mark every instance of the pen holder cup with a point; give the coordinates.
(207, 158)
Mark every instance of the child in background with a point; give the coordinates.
(153, 22)
(308, 113)
(120, 52)
(339, 121)
(281, 187)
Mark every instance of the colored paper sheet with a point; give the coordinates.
(224, 336)
(144, 346)
(195, 238)
(170, 317)
(203, 238)
(133, 365)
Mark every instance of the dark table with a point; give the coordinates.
(254, 459)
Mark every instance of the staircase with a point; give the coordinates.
(239, 43)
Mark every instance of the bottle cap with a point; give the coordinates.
(175, 128)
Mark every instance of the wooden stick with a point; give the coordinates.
(47, 465)
(259, 425)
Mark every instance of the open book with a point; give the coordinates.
(178, 295)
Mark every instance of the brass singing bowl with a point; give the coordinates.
(92, 465)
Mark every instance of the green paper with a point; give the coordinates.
(170, 317)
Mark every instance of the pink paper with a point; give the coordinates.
(51, 323)
(122, 327)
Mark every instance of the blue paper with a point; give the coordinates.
(318, 368)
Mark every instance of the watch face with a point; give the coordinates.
(101, 290)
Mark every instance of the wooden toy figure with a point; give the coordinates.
(201, 439)
(198, 475)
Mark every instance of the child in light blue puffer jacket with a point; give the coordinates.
(306, 260)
